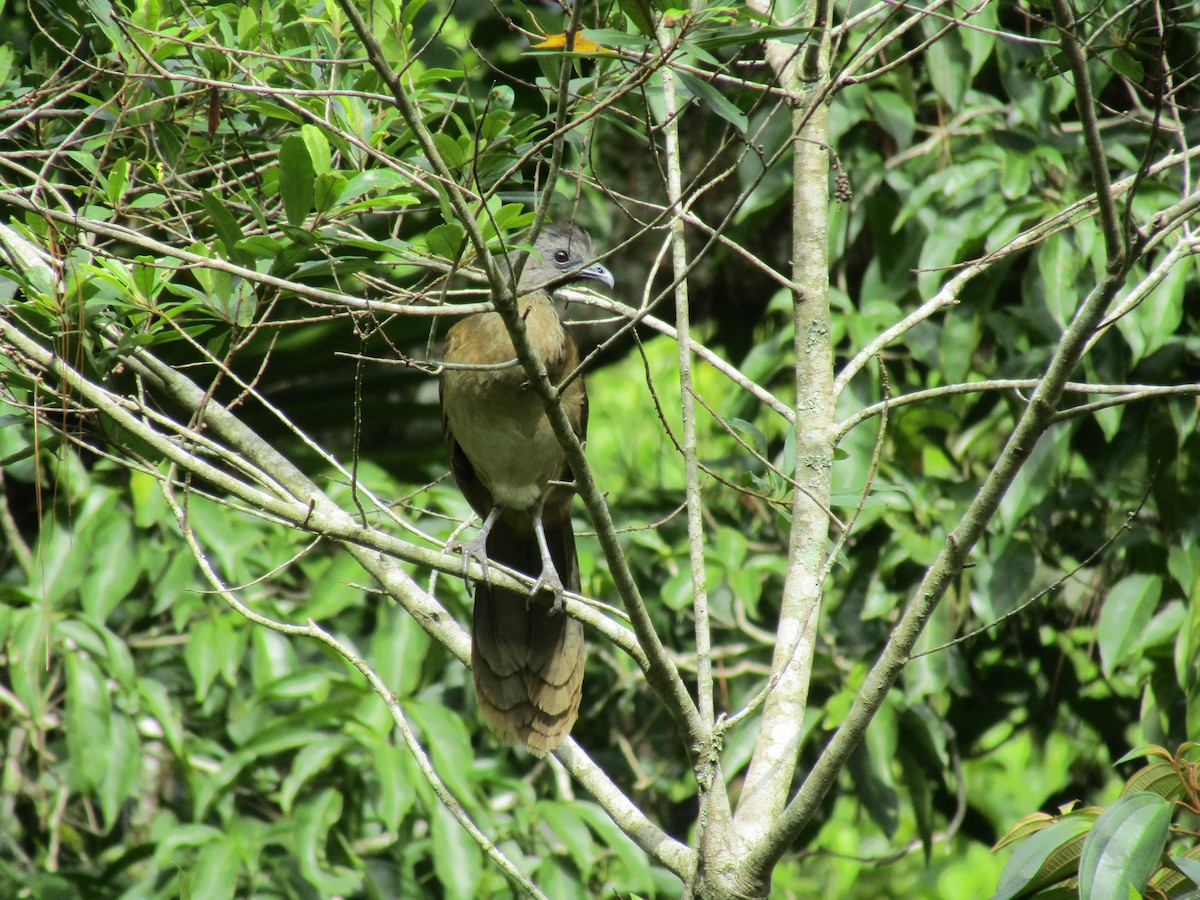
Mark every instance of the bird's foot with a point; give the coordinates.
(549, 581)
(474, 549)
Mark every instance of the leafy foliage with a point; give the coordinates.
(1126, 848)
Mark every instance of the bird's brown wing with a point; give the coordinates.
(464, 473)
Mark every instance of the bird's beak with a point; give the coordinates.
(597, 272)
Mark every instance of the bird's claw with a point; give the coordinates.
(549, 581)
(474, 549)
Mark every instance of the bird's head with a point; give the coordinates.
(562, 254)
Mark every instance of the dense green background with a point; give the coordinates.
(156, 743)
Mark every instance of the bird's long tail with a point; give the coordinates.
(527, 658)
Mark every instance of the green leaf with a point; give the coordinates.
(457, 858)
(565, 825)
(948, 65)
(1127, 66)
(165, 711)
(449, 746)
(205, 652)
(311, 759)
(715, 100)
(148, 200)
(183, 834)
(1127, 610)
(318, 148)
(328, 190)
(1189, 867)
(1058, 264)
(313, 821)
(1156, 777)
(920, 796)
(215, 873)
(397, 775)
(57, 571)
(1046, 857)
(610, 37)
(449, 150)
(1124, 846)
(224, 224)
(124, 763)
(870, 766)
(637, 872)
(641, 13)
(446, 240)
(1037, 478)
(88, 721)
(895, 115)
(118, 180)
(400, 648)
(296, 177)
(114, 570)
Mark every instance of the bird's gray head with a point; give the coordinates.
(562, 254)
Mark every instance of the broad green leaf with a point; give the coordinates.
(1127, 609)
(1059, 264)
(399, 648)
(397, 777)
(636, 875)
(121, 774)
(916, 783)
(328, 190)
(715, 100)
(1044, 858)
(449, 150)
(1124, 846)
(948, 65)
(456, 857)
(118, 180)
(273, 657)
(88, 720)
(166, 712)
(296, 177)
(564, 825)
(1037, 477)
(1189, 867)
(312, 822)
(319, 153)
(205, 651)
(58, 568)
(183, 835)
(1156, 777)
(114, 570)
(895, 115)
(446, 240)
(224, 224)
(870, 766)
(215, 873)
(311, 759)
(448, 744)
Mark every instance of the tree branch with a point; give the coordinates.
(773, 762)
(1037, 417)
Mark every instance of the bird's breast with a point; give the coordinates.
(504, 432)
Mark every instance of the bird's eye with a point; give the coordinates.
(561, 256)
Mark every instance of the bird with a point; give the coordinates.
(527, 655)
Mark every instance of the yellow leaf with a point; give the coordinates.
(559, 42)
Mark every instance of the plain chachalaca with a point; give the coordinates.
(526, 654)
